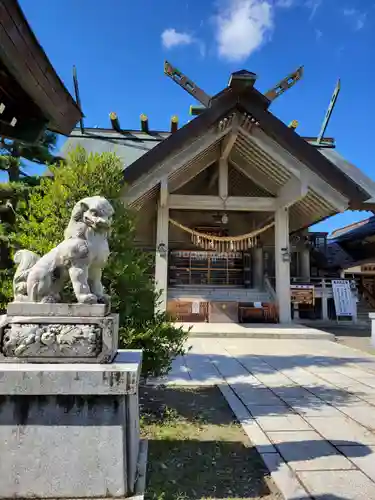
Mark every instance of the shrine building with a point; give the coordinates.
(225, 203)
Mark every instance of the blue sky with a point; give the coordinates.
(119, 47)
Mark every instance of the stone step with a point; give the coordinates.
(258, 331)
(225, 295)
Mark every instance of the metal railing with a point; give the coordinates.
(269, 288)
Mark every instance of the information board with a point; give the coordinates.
(302, 294)
(343, 298)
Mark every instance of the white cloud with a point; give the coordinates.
(357, 18)
(242, 26)
(171, 38)
(318, 34)
(313, 5)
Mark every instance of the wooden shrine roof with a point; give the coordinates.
(31, 89)
(249, 102)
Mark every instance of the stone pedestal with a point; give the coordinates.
(69, 430)
(372, 318)
(58, 333)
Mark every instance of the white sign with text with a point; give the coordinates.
(343, 298)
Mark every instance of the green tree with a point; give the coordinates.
(12, 154)
(15, 192)
(127, 275)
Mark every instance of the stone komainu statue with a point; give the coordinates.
(81, 256)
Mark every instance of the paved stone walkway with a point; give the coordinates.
(308, 406)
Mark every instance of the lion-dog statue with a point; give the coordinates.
(81, 256)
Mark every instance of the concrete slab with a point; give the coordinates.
(256, 435)
(322, 410)
(285, 479)
(286, 383)
(363, 457)
(260, 331)
(332, 485)
(283, 423)
(270, 411)
(256, 396)
(306, 450)
(363, 415)
(340, 429)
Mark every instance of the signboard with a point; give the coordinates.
(195, 307)
(343, 298)
(202, 255)
(302, 294)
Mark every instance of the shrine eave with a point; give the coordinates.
(33, 96)
(248, 103)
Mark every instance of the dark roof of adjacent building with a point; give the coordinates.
(355, 232)
(128, 145)
(28, 80)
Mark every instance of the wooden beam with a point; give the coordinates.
(297, 168)
(213, 178)
(164, 192)
(223, 178)
(232, 203)
(172, 164)
(253, 173)
(293, 191)
(177, 181)
(228, 142)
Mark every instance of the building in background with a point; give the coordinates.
(226, 201)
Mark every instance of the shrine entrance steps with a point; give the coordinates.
(254, 330)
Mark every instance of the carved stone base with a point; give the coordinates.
(58, 339)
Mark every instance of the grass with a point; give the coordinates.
(197, 450)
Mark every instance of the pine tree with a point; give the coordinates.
(14, 194)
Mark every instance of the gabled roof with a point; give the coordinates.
(254, 104)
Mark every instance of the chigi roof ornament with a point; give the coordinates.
(239, 79)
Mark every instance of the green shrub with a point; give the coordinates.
(126, 277)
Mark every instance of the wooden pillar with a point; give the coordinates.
(324, 301)
(223, 179)
(258, 272)
(305, 263)
(161, 254)
(282, 264)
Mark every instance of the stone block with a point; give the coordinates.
(372, 319)
(285, 479)
(283, 423)
(70, 431)
(363, 457)
(57, 309)
(336, 484)
(363, 414)
(341, 429)
(58, 339)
